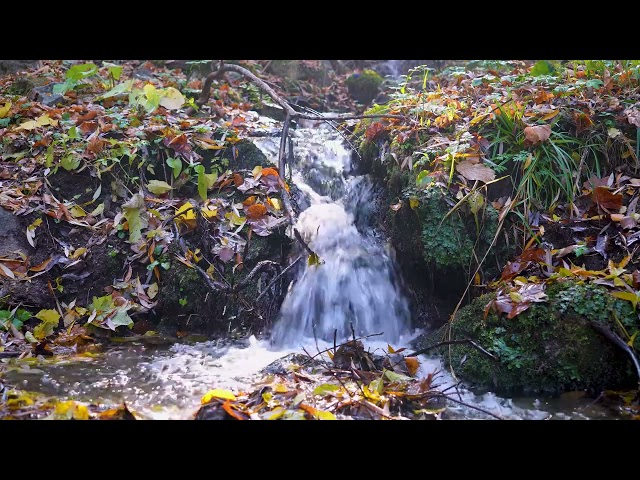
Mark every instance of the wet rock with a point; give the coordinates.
(549, 348)
(281, 366)
(212, 411)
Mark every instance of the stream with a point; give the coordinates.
(356, 286)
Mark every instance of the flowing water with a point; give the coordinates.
(355, 287)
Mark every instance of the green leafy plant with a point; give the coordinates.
(74, 77)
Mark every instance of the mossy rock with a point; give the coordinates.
(550, 348)
(363, 87)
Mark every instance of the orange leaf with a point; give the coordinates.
(257, 211)
(412, 364)
(229, 408)
(249, 201)
(42, 266)
(269, 171)
(237, 179)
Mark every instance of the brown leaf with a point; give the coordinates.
(537, 133)
(255, 212)
(85, 118)
(237, 179)
(606, 200)
(475, 171)
(88, 127)
(374, 130)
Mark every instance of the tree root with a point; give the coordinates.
(607, 333)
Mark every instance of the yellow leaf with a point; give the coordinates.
(632, 339)
(630, 297)
(4, 110)
(81, 413)
(77, 212)
(98, 210)
(209, 212)
(257, 171)
(171, 99)
(280, 388)
(390, 349)
(78, 253)
(275, 203)
(413, 203)
(313, 259)
(235, 219)
(276, 414)
(323, 415)
(48, 316)
(217, 393)
(41, 121)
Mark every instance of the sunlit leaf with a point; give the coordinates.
(217, 393)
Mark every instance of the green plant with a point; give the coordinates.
(74, 77)
(16, 317)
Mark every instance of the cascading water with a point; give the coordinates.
(355, 286)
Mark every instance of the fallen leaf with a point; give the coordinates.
(537, 133)
(475, 171)
(217, 393)
(256, 211)
(171, 99)
(606, 200)
(412, 364)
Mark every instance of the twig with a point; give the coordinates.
(285, 270)
(349, 341)
(454, 342)
(302, 242)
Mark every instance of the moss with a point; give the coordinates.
(364, 87)
(550, 348)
